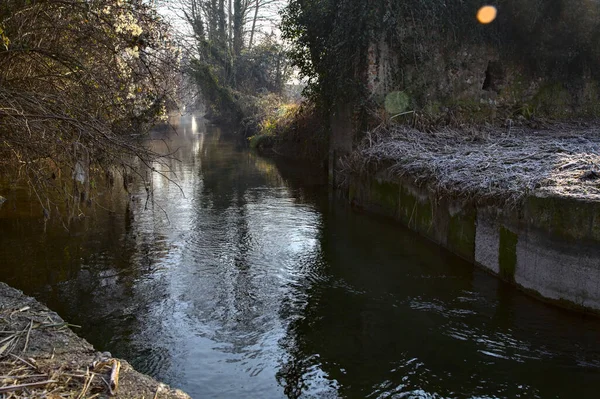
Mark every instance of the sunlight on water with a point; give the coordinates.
(244, 281)
(194, 125)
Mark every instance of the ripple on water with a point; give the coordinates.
(251, 288)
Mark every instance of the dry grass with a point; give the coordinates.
(489, 163)
(22, 376)
(40, 357)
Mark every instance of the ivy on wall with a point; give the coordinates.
(556, 40)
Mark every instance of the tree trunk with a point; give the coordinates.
(278, 76)
(212, 21)
(253, 25)
(221, 24)
(238, 27)
(230, 20)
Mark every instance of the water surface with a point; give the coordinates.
(245, 281)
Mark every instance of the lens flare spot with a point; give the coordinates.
(486, 14)
(396, 102)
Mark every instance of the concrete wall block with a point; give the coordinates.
(462, 233)
(557, 274)
(507, 256)
(487, 243)
(536, 249)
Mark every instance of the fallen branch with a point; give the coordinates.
(19, 387)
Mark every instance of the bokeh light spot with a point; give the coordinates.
(486, 14)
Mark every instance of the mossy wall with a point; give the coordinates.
(461, 233)
(453, 87)
(534, 60)
(446, 224)
(549, 246)
(565, 218)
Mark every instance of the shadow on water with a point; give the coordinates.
(396, 315)
(243, 280)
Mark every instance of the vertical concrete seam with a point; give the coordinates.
(507, 254)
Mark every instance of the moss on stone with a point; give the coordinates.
(507, 255)
(461, 233)
(406, 205)
(433, 108)
(384, 195)
(416, 213)
(423, 217)
(566, 218)
(553, 100)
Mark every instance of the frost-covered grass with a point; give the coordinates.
(489, 163)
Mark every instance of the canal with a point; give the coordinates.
(243, 280)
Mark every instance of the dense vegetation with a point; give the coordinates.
(234, 60)
(79, 81)
(551, 41)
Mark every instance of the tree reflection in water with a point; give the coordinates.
(246, 281)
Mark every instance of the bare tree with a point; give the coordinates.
(265, 11)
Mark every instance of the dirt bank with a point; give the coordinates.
(40, 357)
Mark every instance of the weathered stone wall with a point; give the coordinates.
(474, 83)
(550, 246)
(432, 59)
(535, 59)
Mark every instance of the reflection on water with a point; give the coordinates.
(242, 281)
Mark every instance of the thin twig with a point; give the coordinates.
(19, 387)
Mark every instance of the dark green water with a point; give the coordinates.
(256, 286)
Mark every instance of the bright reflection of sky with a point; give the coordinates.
(240, 247)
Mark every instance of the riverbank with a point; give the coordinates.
(288, 129)
(521, 203)
(41, 357)
(490, 164)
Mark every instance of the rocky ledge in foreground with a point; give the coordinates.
(40, 357)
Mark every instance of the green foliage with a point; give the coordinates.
(219, 98)
(551, 38)
(4, 41)
(396, 102)
(293, 129)
(554, 40)
(330, 39)
(279, 119)
(80, 82)
(263, 68)
(260, 141)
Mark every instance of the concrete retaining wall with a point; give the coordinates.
(548, 246)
